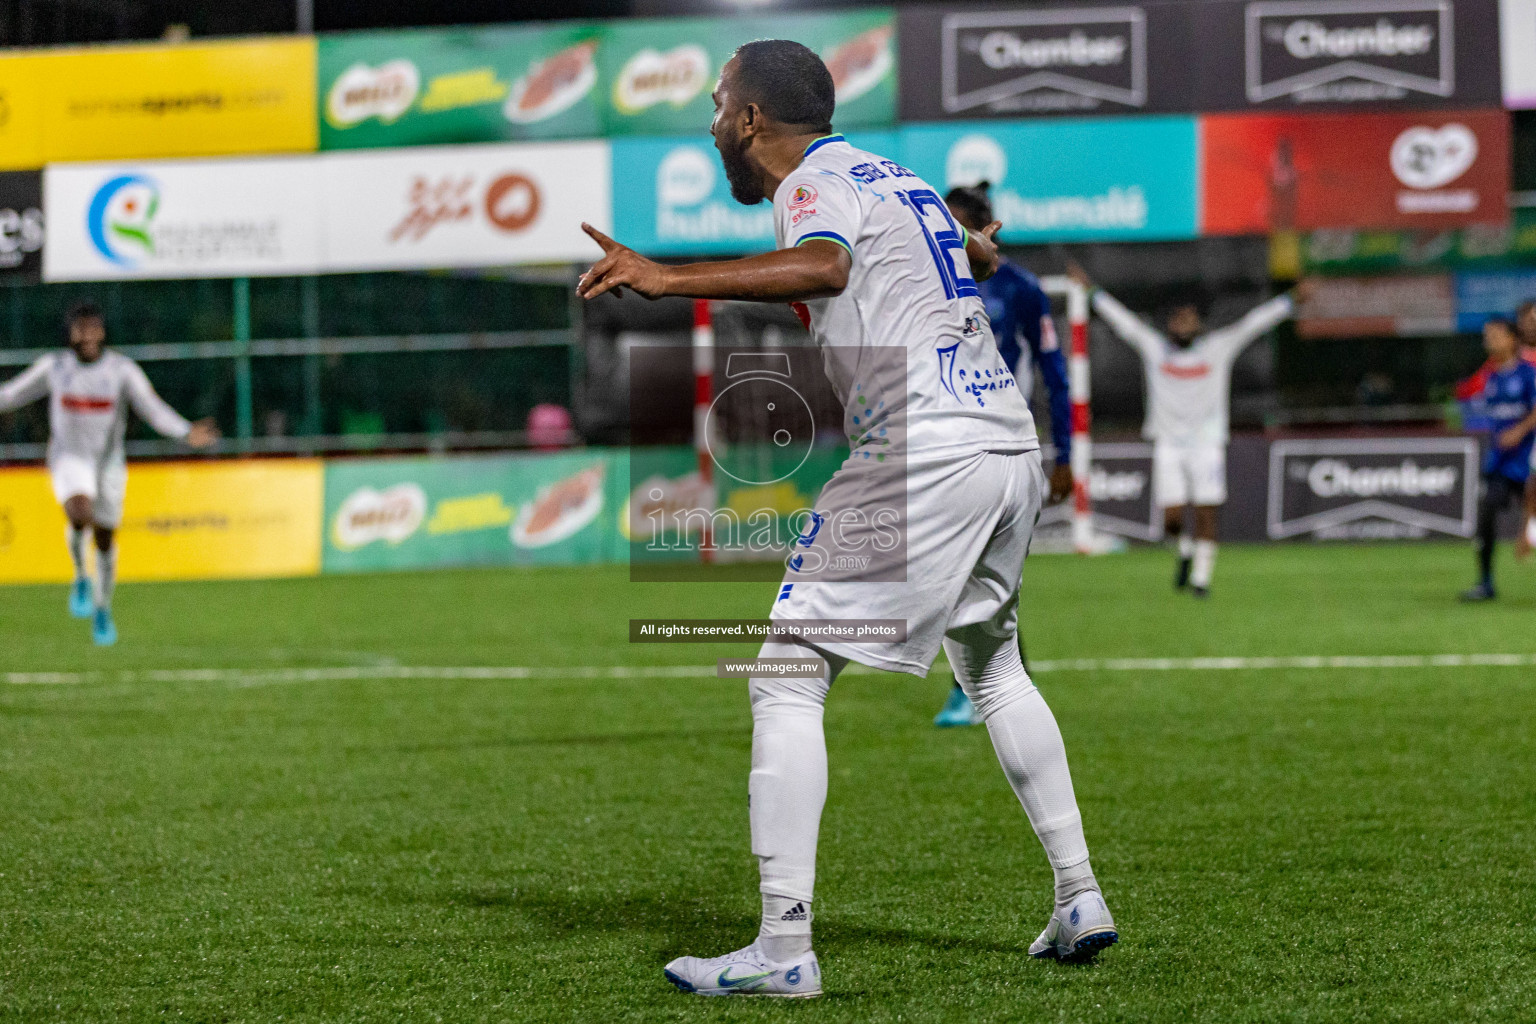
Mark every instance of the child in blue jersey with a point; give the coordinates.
(1018, 308)
(1504, 407)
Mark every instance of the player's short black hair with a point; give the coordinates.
(85, 309)
(788, 82)
(974, 201)
(1525, 307)
(1504, 322)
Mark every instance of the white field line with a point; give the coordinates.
(278, 676)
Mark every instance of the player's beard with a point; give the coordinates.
(746, 183)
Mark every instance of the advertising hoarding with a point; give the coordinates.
(1517, 39)
(1426, 170)
(472, 84)
(218, 98)
(21, 225)
(1484, 294)
(1066, 180)
(412, 513)
(463, 206)
(181, 520)
(657, 74)
(672, 198)
(182, 219)
(1364, 307)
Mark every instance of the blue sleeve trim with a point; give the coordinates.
(1053, 370)
(831, 236)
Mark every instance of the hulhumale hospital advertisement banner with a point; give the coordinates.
(440, 86)
(675, 200)
(1066, 180)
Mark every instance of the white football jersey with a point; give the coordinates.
(910, 300)
(1189, 389)
(88, 403)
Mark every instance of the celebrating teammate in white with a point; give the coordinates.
(88, 390)
(1189, 383)
(881, 266)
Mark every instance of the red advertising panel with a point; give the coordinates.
(1431, 170)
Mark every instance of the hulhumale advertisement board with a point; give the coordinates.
(672, 198)
(459, 85)
(1065, 180)
(175, 219)
(658, 73)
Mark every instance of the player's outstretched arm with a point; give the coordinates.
(166, 421)
(815, 269)
(26, 387)
(1129, 327)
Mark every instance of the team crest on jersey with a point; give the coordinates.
(804, 195)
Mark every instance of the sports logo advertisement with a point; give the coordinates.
(21, 225)
(170, 219)
(1517, 36)
(657, 74)
(1372, 489)
(1106, 178)
(677, 201)
(459, 85)
(152, 101)
(1429, 170)
(463, 206)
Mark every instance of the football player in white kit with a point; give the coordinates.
(882, 268)
(1188, 384)
(89, 390)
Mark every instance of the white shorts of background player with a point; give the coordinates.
(1189, 474)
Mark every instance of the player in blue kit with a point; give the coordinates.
(1505, 407)
(1019, 310)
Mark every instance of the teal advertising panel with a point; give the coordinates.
(671, 197)
(415, 88)
(658, 73)
(532, 509)
(1069, 180)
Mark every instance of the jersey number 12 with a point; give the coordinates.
(944, 244)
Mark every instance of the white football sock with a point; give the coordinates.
(1029, 746)
(788, 784)
(75, 538)
(1186, 546)
(785, 934)
(1205, 563)
(106, 575)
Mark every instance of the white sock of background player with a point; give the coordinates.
(106, 575)
(76, 537)
(1204, 564)
(786, 792)
(1028, 743)
(1186, 546)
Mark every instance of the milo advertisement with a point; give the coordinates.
(418, 513)
(414, 88)
(658, 74)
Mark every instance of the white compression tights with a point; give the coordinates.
(1028, 743)
(788, 785)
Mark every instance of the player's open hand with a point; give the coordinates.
(1061, 482)
(203, 433)
(619, 268)
(1076, 272)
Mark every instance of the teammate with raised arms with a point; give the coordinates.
(89, 390)
(881, 267)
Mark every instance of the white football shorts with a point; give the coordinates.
(104, 485)
(1189, 474)
(969, 522)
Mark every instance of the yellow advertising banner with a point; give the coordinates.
(181, 521)
(219, 98)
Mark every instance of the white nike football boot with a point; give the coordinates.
(1078, 932)
(746, 972)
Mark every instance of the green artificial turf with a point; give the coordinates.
(1276, 844)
